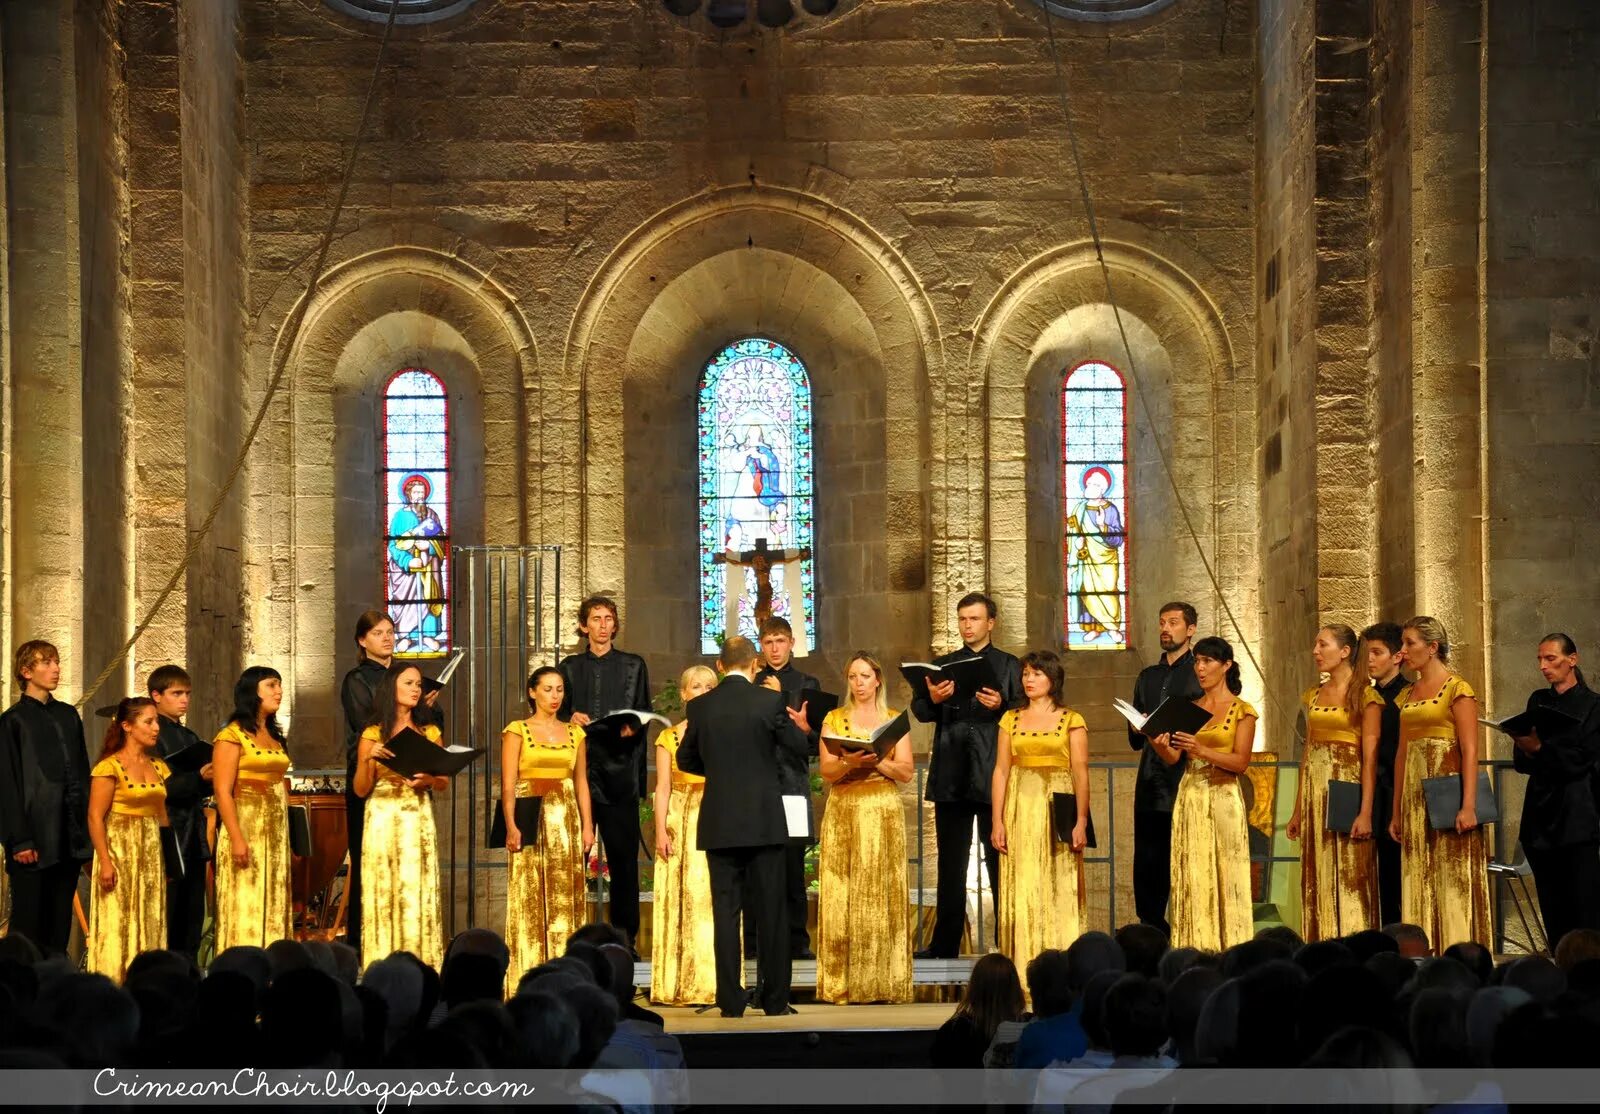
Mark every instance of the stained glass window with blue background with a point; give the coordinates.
(755, 480)
(1095, 497)
(416, 484)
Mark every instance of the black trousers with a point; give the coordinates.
(952, 833)
(618, 827)
(761, 868)
(1388, 875)
(41, 905)
(1152, 867)
(186, 908)
(355, 812)
(795, 902)
(1568, 883)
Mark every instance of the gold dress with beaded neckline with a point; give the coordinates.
(253, 905)
(683, 967)
(1444, 876)
(1211, 907)
(545, 894)
(863, 915)
(1042, 894)
(400, 909)
(1338, 874)
(132, 917)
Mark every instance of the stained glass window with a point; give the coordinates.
(1094, 492)
(755, 485)
(416, 484)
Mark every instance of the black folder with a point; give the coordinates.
(1344, 805)
(818, 705)
(1064, 812)
(1174, 715)
(300, 831)
(526, 810)
(611, 724)
(1544, 720)
(1443, 797)
(190, 758)
(970, 674)
(414, 754)
(880, 742)
(172, 854)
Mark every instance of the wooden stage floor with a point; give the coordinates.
(811, 1018)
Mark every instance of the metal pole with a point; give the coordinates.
(473, 732)
(1111, 846)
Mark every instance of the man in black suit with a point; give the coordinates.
(734, 737)
(777, 671)
(188, 785)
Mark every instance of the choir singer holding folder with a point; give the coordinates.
(1558, 745)
(400, 847)
(733, 738)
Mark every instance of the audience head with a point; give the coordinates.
(1444, 973)
(1412, 940)
(1246, 957)
(1178, 960)
(620, 983)
(1475, 958)
(1576, 946)
(159, 961)
(1093, 1014)
(1321, 955)
(398, 981)
(1438, 1028)
(1488, 1009)
(1089, 955)
(1136, 1016)
(1358, 1048)
(547, 1029)
(346, 962)
(1050, 983)
(589, 955)
(596, 1010)
(321, 955)
(251, 962)
(486, 1026)
(480, 941)
(1268, 996)
(1393, 971)
(1142, 946)
(1185, 1001)
(302, 1018)
(93, 1020)
(1282, 934)
(1217, 1032)
(599, 934)
(19, 949)
(470, 977)
(286, 956)
(1337, 996)
(1368, 943)
(1537, 977)
(993, 994)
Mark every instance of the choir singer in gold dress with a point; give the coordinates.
(863, 914)
(542, 757)
(1211, 904)
(1444, 875)
(127, 810)
(249, 764)
(1043, 749)
(1338, 870)
(683, 963)
(399, 840)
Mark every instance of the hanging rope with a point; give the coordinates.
(280, 361)
(1133, 374)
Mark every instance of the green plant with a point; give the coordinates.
(669, 701)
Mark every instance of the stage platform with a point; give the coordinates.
(924, 972)
(811, 1018)
(816, 1036)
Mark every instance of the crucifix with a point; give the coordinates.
(760, 561)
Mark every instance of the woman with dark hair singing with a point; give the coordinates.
(542, 757)
(127, 810)
(1211, 904)
(1444, 884)
(1338, 869)
(252, 860)
(400, 846)
(1043, 750)
(1560, 827)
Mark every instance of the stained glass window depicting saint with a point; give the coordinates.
(416, 483)
(755, 489)
(1094, 493)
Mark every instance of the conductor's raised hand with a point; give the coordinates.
(771, 682)
(940, 692)
(989, 698)
(797, 716)
(580, 719)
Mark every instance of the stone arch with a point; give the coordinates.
(809, 273)
(381, 309)
(1052, 313)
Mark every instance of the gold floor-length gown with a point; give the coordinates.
(1211, 907)
(1338, 875)
(400, 869)
(253, 905)
(1444, 876)
(132, 918)
(683, 962)
(544, 881)
(863, 913)
(1041, 878)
